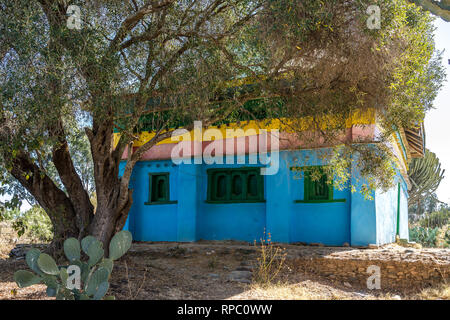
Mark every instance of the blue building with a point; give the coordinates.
(224, 194)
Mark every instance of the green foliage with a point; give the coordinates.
(432, 229)
(395, 69)
(436, 219)
(371, 167)
(72, 249)
(440, 8)
(424, 236)
(428, 205)
(25, 278)
(174, 63)
(2, 211)
(95, 273)
(119, 245)
(447, 239)
(34, 223)
(47, 265)
(425, 175)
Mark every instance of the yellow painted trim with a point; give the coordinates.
(252, 127)
(406, 144)
(399, 149)
(403, 164)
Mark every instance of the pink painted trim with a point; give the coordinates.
(252, 144)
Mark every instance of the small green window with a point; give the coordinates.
(316, 185)
(220, 190)
(252, 185)
(159, 190)
(235, 185)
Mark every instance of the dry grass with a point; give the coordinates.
(5, 248)
(310, 290)
(440, 293)
(306, 290)
(284, 291)
(269, 262)
(160, 271)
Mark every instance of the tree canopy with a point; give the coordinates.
(440, 8)
(65, 88)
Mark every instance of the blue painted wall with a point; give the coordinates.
(404, 228)
(356, 221)
(153, 222)
(188, 186)
(238, 221)
(386, 209)
(287, 221)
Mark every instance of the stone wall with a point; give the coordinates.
(400, 269)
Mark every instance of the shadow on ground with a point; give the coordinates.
(202, 271)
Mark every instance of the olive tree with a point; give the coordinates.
(74, 72)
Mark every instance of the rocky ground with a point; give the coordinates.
(225, 270)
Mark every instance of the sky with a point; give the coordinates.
(437, 121)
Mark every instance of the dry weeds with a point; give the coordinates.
(158, 271)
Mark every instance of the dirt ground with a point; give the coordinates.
(202, 271)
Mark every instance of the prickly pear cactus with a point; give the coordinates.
(88, 280)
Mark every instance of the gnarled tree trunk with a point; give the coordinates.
(52, 199)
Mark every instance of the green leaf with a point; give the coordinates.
(99, 276)
(64, 294)
(109, 298)
(72, 249)
(64, 276)
(84, 271)
(86, 242)
(120, 244)
(101, 291)
(47, 264)
(95, 252)
(108, 264)
(51, 292)
(25, 278)
(50, 281)
(31, 258)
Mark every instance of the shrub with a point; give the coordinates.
(34, 223)
(436, 219)
(446, 238)
(424, 236)
(38, 225)
(94, 273)
(269, 263)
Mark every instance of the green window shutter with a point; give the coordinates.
(159, 189)
(317, 190)
(317, 187)
(220, 186)
(252, 185)
(235, 185)
(320, 189)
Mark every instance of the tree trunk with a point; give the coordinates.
(62, 230)
(114, 199)
(52, 199)
(108, 220)
(78, 196)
